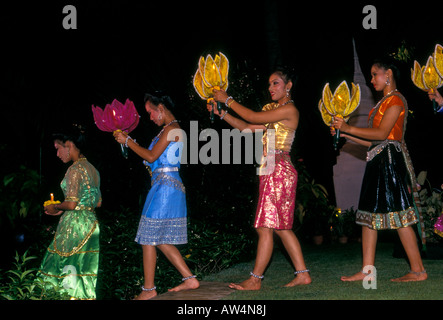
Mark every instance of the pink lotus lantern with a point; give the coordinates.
(117, 117)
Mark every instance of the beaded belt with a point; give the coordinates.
(83, 207)
(166, 169)
(380, 147)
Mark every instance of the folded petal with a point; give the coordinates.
(416, 76)
(438, 59)
(354, 102)
(327, 118)
(327, 99)
(198, 85)
(131, 116)
(211, 75)
(100, 121)
(341, 98)
(431, 78)
(223, 66)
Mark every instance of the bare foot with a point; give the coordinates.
(412, 276)
(146, 295)
(189, 284)
(359, 276)
(299, 280)
(250, 284)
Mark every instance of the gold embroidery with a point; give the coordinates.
(76, 249)
(67, 275)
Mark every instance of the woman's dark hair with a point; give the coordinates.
(159, 97)
(74, 133)
(387, 63)
(286, 73)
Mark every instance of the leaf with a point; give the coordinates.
(422, 177)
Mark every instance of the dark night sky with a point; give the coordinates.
(121, 49)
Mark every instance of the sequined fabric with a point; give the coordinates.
(277, 188)
(163, 219)
(438, 226)
(277, 192)
(71, 261)
(284, 136)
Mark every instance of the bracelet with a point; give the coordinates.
(224, 114)
(127, 139)
(226, 102)
(230, 102)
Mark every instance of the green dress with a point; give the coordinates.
(71, 261)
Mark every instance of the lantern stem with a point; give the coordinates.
(336, 138)
(434, 105)
(124, 151)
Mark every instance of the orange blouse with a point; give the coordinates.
(397, 131)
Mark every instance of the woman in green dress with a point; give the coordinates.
(71, 261)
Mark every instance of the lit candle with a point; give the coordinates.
(52, 197)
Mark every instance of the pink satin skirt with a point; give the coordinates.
(277, 192)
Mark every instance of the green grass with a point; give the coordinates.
(327, 263)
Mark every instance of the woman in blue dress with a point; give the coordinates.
(163, 223)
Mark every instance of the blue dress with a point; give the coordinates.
(163, 219)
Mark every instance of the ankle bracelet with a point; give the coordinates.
(187, 278)
(256, 276)
(301, 271)
(149, 289)
(418, 273)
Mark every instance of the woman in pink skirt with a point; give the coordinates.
(278, 181)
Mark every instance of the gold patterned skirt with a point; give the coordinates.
(71, 261)
(277, 192)
(386, 198)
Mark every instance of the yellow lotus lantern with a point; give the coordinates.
(340, 104)
(438, 59)
(211, 74)
(427, 77)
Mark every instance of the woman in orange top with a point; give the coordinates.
(386, 198)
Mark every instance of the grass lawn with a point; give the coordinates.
(327, 263)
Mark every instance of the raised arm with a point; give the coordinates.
(148, 155)
(380, 133)
(236, 122)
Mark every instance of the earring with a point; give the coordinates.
(159, 116)
(287, 93)
(388, 82)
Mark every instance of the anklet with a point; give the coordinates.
(190, 277)
(256, 276)
(418, 273)
(150, 289)
(301, 271)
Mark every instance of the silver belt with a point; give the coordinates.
(380, 147)
(166, 169)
